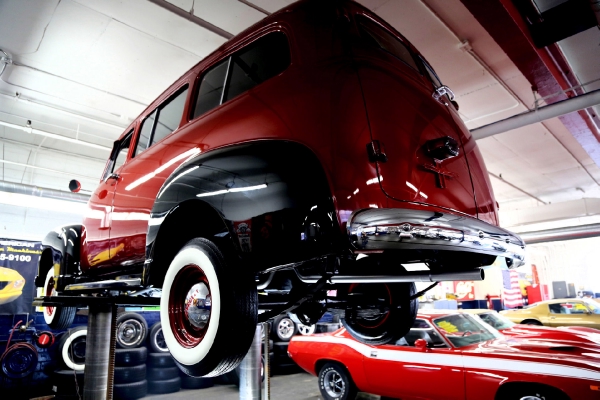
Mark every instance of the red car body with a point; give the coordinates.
(314, 139)
(487, 369)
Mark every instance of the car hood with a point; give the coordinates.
(573, 353)
(568, 335)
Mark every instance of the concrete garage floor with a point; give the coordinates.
(295, 386)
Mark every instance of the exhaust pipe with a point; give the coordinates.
(413, 276)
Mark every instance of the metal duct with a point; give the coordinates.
(42, 192)
(541, 114)
(567, 233)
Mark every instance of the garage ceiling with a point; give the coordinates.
(82, 70)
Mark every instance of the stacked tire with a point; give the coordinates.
(130, 373)
(130, 378)
(162, 373)
(69, 356)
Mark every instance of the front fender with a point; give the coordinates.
(271, 198)
(60, 248)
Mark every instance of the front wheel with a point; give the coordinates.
(335, 383)
(58, 318)
(383, 312)
(208, 310)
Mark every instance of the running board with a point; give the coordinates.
(122, 284)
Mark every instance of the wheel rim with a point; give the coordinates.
(49, 291)
(77, 350)
(130, 332)
(333, 383)
(159, 340)
(306, 329)
(190, 304)
(285, 328)
(374, 322)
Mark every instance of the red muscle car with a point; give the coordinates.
(316, 151)
(450, 355)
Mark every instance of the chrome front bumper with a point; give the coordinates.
(384, 229)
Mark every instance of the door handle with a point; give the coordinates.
(441, 91)
(552, 317)
(112, 176)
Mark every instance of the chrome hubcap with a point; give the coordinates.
(334, 384)
(197, 305)
(286, 328)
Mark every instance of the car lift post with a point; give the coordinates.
(100, 348)
(250, 369)
(101, 337)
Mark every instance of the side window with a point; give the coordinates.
(555, 309)
(169, 116)
(261, 60)
(210, 90)
(252, 65)
(385, 40)
(118, 155)
(422, 330)
(432, 75)
(146, 133)
(164, 120)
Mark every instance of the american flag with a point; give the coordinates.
(511, 292)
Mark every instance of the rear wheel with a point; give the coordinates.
(335, 383)
(208, 310)
(532, 322)
(56, 317)
(381, 312)
(526, 391)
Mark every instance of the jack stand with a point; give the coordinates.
(100, 350)
(266, 392)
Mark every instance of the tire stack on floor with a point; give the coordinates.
(130, 381)
(163, 375)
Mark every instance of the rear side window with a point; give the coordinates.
(385, 40)
(252, 65)
(164, 120)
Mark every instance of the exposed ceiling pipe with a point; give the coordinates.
(5, 60)
(541, 114)
(29, 190)
(192, 18)
(29, 129)
(567, 233)
(70, 174)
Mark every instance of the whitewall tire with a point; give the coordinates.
(56, 317)
(208, 310)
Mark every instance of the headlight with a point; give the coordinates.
(19, 283)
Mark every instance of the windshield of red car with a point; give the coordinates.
(464, 330)
(496, 320)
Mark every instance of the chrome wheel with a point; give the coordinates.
(285, 328)
(129, 332)
(333, 384)
(307, 329)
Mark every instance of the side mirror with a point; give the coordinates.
(74, 186)
(421, 344)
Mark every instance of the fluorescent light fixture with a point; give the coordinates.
(44, 203)
(29, 129)
(232, 190)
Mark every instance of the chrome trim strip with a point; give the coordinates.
(398, 229)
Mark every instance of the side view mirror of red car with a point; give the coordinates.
(421, 344)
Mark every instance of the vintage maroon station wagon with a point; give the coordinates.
(295, 169)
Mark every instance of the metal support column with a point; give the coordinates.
(250, 378)
(266, 389)
(98, 351)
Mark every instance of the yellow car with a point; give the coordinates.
(11, 285)
(558, 312)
